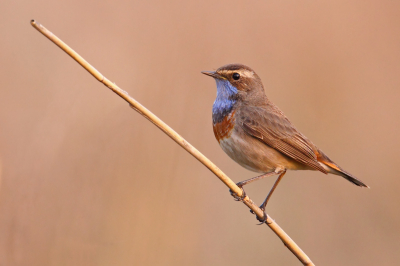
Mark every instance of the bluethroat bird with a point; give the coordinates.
(257, 135)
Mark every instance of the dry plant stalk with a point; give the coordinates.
(288, 242)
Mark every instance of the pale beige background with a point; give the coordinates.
(87, 181)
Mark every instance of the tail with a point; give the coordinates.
(335, 169)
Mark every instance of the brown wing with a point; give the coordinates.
(272, 127)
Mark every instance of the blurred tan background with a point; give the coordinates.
(85, 180)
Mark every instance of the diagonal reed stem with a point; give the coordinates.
(288, 242)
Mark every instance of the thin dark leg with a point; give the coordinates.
(245, 182)
(264, 204)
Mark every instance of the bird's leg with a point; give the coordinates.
(245, 182)
(264, 204)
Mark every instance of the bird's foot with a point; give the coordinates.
(235, 196)
(263, 219)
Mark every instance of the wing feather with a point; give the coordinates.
(273, 128)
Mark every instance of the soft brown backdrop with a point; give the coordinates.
(87, 181)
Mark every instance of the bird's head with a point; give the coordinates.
(238, 80)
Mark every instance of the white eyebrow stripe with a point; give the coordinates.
(242, 72)
(246, 73)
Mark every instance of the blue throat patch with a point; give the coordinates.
(225, 101)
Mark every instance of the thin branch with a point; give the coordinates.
(289, 243)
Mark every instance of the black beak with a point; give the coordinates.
(213, 74)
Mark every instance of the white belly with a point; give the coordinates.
(254, 155)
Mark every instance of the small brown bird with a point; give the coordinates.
(257, 135)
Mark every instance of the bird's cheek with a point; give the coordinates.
(242, 94)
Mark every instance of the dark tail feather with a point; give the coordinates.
(335, 169)
(352, 179)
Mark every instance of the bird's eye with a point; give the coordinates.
(236, 76)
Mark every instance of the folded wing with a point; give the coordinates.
(271, 126)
